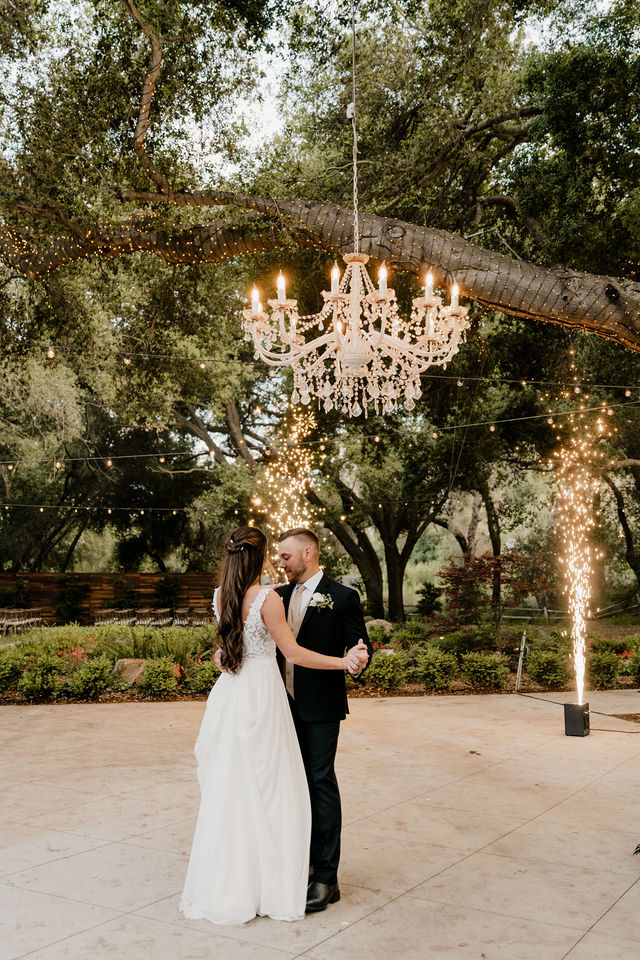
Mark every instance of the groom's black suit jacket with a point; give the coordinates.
(321, 695)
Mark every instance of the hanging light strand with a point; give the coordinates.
(362, 353)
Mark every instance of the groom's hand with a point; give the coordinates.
(358, 658)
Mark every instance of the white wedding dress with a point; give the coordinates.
(250, 853)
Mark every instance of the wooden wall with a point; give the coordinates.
(45, 589)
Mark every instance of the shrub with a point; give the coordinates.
(558, 641)
(159, 678)
(429, 599)
(91, 678)
(436, 670)
(377, 635)
(167, 591)
(457, 642)
(600, 644)
(634, 664)
(11, 665)
(548, 668)
(69, 605)
(202, 675)
(484, 637)
(410, 659)
(386, 671)
(15, 596)
(487, 670)
(42, 676)
(603, 668)
(411, 632)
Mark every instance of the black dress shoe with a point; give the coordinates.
(320, 894)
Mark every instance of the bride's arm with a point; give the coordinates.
(276, 623)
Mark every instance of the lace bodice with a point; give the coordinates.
(256, 637)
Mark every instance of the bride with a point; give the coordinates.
(250, 853)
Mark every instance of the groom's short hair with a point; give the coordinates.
(303, 533)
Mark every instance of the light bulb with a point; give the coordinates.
(335, 279)
(382, 278)
(256, 306)
(455, 292)
(428, 286)
(280, 283)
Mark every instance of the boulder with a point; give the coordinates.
(129, 669)
(380, 623)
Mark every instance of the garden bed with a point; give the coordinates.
(75, 664)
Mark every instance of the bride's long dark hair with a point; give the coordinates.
(246, 552)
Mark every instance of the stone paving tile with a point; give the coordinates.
(119, 817)
(623, 919)
(391, 866)
(430, 822)
(138, 938)
(410, 930)
(176, 838)
(24, 846)
(117, 876)
(575, 844)
(22, 800)
(527, 889)
(521, 800)
(354, 904)
(29, 919)
(596, 947)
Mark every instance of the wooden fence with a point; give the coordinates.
(105, 589)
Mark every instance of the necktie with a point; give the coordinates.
(293, 617)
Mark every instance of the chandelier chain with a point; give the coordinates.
(357, 353)
(356, 224)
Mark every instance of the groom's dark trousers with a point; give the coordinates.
(319, 704)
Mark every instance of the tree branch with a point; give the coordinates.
(606, 306)
(148, 87)
(232, 418)
(197, 428)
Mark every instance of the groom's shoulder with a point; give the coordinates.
(341, 590)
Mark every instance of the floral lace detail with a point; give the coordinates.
(257, 639)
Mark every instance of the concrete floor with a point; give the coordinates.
(474, 828)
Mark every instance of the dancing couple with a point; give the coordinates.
(267, 839)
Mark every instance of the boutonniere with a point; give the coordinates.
(323, 601)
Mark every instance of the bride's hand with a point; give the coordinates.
(218, 659)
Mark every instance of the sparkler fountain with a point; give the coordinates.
(577, 484)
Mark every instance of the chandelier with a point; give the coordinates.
(358, 352)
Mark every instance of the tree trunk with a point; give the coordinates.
(493, 525)
(361, 551)
(606, 306)
(631, 554)
(395, 577)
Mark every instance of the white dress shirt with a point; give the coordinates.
(308, 588)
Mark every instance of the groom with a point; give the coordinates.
(325, 616)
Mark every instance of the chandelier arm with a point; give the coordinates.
(270, 356)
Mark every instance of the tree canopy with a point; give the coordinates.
(138, 197)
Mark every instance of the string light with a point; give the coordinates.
(286, 479)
